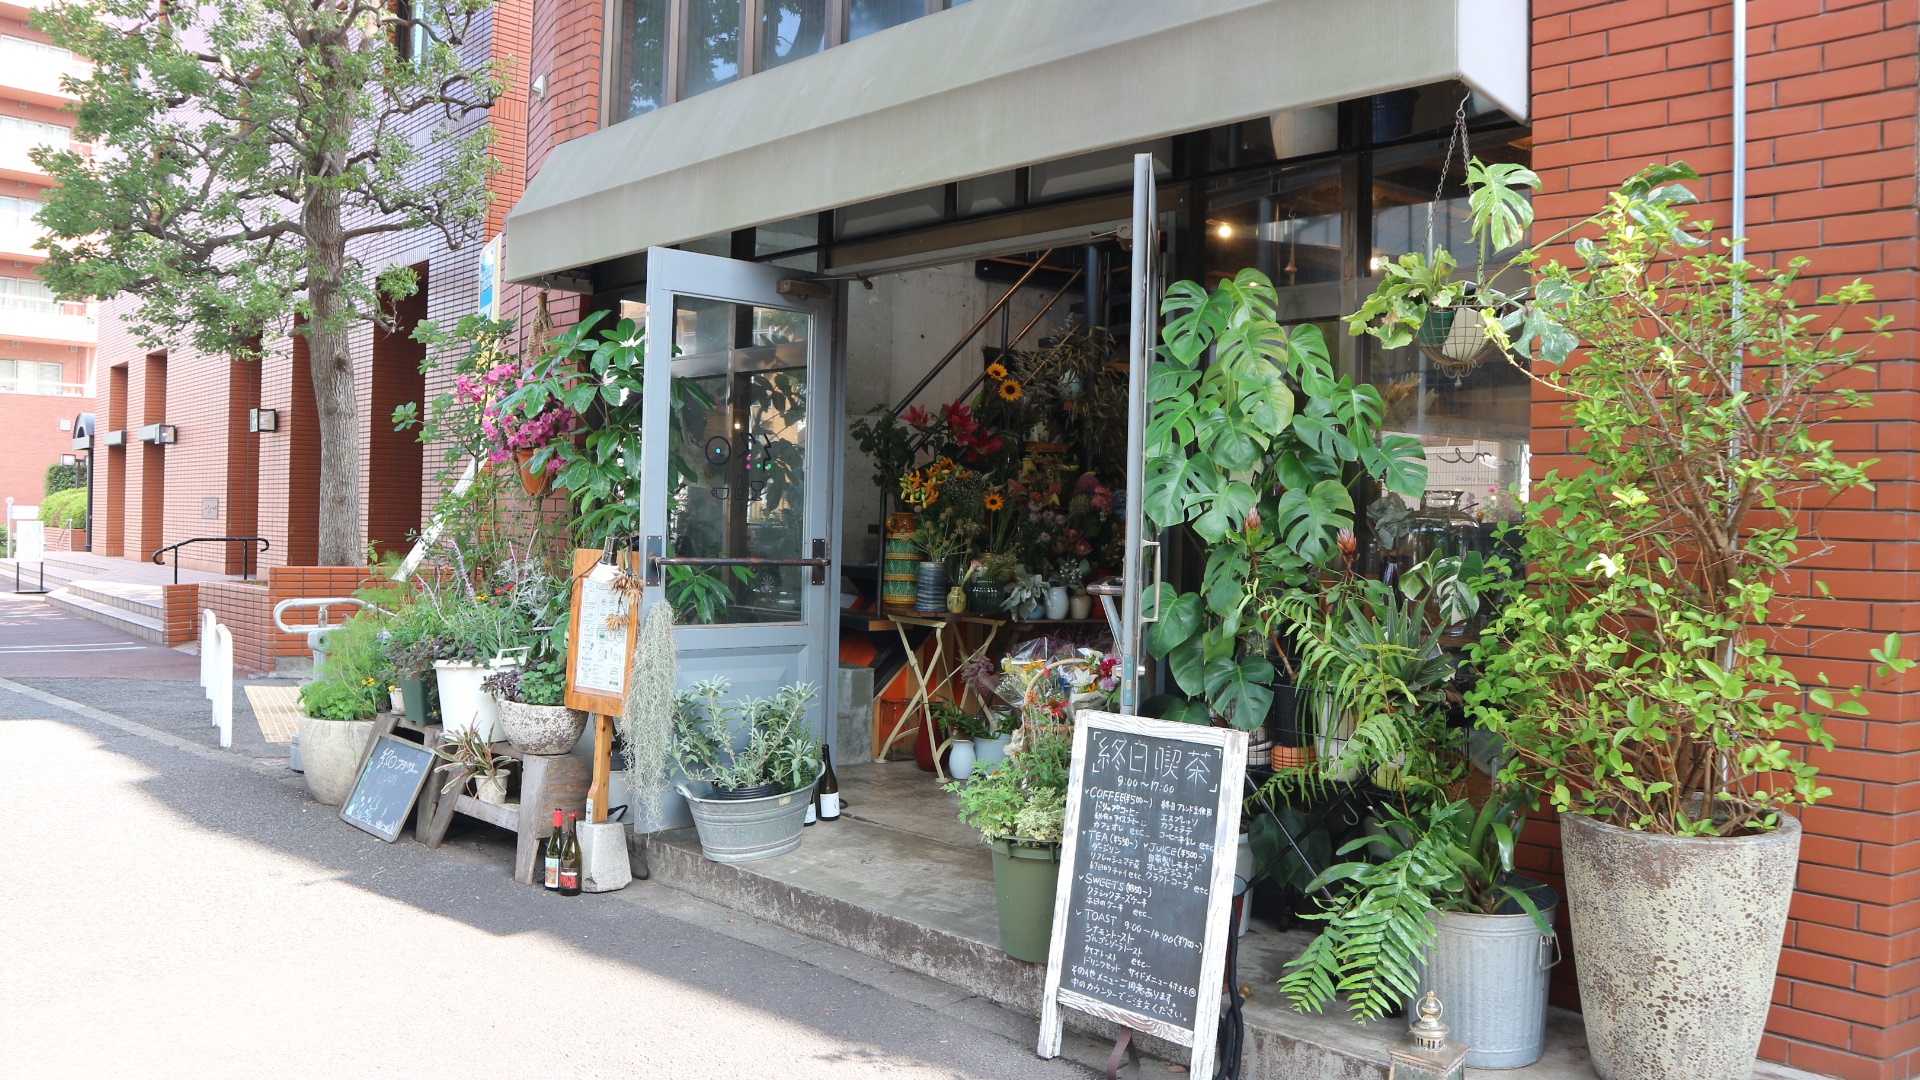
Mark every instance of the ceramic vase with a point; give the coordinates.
(960, 759)
(1058, 603)
(1079, 605)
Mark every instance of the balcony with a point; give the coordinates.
(17, 240)
(54, 324)
(32, 73)
(41, 389)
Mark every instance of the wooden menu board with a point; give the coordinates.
(600, 638)
(1140, 922)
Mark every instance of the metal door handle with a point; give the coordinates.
(819, 562)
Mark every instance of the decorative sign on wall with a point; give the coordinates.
(390, 779)
(1141, 918)
(601, 637)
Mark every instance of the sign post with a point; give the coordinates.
(1140, 921)
(600, 644)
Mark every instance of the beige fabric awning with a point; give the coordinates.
(988, 86)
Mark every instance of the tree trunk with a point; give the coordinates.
(333, 389)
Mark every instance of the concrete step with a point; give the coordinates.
(145, 627)
(148, 601)
(897, 879)
(56, 574)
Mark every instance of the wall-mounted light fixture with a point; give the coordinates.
(263, 419)
(114, 438)
(160, 434)
(69, 459)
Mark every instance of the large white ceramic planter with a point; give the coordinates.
(1676, 941)
(463, 704)
(330, 752)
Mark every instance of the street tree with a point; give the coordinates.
(243, 155)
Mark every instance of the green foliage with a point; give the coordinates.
(1258, 452)
(65, 509)
(1631, 672)
(1372, 651)
(1025, 799)
(469, 755)
(541, 683)
(335, 699)
(353, 684)
(239, 150)
(779, 747)
(1443, 856)
(65, 477)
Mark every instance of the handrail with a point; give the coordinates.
(246, 555)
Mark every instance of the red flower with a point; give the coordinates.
(917, 418)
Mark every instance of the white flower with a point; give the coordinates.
(1605, 563)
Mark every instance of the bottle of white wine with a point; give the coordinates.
(550, 853)
(570, 861)
(829, 787)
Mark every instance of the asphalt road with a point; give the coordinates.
(176, 910)
(38, 640)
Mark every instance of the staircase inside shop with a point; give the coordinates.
(130, 596)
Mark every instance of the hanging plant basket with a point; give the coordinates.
(1455, 340)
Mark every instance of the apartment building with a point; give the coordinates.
(46, 345)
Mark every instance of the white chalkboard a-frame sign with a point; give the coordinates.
(1140, 921)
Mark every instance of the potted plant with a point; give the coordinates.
(469, 756)
(337, 709)
(533, 709)
(1027, 597)
(748, 803)
(1631, 672)
(1439, 909)
(414, 639)
(1020, 809)
(993, 574)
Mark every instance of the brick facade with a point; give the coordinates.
(1831, 159)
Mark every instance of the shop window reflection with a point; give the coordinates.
(643, 58)
(713, 44)
(872, 16)
(1285, 222)
(1474, 426)
(791, 29)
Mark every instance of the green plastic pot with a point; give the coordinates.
(413, 693)
(1025, 876)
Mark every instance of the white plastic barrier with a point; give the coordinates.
(207, 623)
(216, 663)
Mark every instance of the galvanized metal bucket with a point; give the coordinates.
(742, 830)
(1490, 974)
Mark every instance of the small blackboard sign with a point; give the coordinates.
(1146, 888)
(390, 779)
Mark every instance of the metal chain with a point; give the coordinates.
(1459, 137)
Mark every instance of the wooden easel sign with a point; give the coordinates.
(600, 642)
(1140, 922)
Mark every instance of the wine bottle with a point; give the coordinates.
(550, 852)
(813, 806)
(570, 861)
(829, 787)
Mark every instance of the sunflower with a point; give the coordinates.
(996, 501)
(1010, 390)
(996, 372)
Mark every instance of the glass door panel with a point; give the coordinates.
(739, 401)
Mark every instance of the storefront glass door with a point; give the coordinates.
(739, 468)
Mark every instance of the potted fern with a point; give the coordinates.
(1631, 673)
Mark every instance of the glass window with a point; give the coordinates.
(643, 59)
(1405, 181)
(28, 294)
(777, 236)
(1099, 171)
(872, 16)
(739, 461)
(18, 213)
(720, 244)
(713, 44)
(892, 212)
(791, 29)
(1286, 222)
(18, 133)
(29, 377)
(985, 194)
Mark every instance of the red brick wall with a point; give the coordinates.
(1831, 158)
(31, 440)
(247, 610)
(393, 458)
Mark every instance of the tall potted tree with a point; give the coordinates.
(1631, 672)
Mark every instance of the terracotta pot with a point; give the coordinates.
(535, 484)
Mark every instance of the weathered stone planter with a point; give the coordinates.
(542, 729)
(330, 752)
(1676, 941)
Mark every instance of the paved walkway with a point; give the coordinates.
(38, 640)
(205, 918)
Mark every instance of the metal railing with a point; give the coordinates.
(246, 555)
